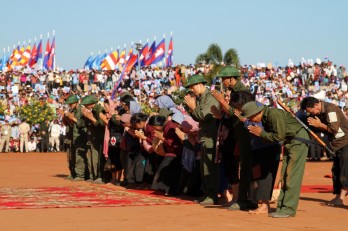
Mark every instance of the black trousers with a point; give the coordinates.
(265, 167)
(340, 170)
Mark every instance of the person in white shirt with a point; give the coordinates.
(55, 133)
(32, 145)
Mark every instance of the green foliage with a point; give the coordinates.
(178, 96)
(36, 112)
(146, 109)
(231, 58)
(2, 109)
(214, 54)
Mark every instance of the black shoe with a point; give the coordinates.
(124, 183)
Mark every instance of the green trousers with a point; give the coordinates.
(294, 160)
(81, 162)
(71, 159)
(209, 169)
(94, 154)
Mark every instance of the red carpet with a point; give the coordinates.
(77, 197)
(316, 189)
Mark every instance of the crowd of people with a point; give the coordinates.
(222, 140)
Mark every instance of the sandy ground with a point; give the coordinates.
(47, 169)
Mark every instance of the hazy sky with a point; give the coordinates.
(261, 31)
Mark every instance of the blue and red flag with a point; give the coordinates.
(47, 55)
(50, 62)
(170, 53)
(149, 54)
(143, 53)
(158, 54)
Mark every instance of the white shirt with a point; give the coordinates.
(55, 130)
(31, 146)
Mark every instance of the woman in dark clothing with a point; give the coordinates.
(168, 174)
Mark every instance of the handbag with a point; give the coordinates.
(276, 192)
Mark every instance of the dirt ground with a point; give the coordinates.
(48, 169)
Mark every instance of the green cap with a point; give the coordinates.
(228, 71)
(89, 99)
(250, 109)
(71, 99)
(165, 112)
(194, 79)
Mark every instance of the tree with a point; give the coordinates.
(36, 112)
(202, 58)
(231, 57)
(214, 54)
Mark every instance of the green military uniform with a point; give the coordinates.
(79, 140)
(68, 140)
(208, 134)
(278, 126)
(242, 139)
(95, 138)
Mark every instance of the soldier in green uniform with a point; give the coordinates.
(95, 120)
(279, 126)
(76, 139)
(200, 109)
(230, 77)
(72, 101)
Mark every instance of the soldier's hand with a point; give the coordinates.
(255, 130)
(216, 112)
(218, 96)
(70, 115)
(140, 135)
(238, 113)
(190, 102)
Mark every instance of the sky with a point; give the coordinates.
(269, 31)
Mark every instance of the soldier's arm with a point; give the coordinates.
(203, 112)
(277, 132)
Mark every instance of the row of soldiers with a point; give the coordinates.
(85, 136)
(250, 120)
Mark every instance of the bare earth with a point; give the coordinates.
(47, 169)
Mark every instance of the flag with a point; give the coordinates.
(5, 59)
(127, 68)
(143, 53)
(88, 62)
(39, 50)
(158, 53)
(121, 60)
(130, 52)
(25, 56)
(149, 54)
(47, 55)
(17, 56)
(50, 62)
(109, 63)
(169, 62)
(95, 64)
(33, 56)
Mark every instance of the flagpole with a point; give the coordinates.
(164, 37)
(172, 59)
(54, 56)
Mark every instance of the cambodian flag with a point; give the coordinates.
(33, 56)
(47, 55)
(143, 53)
(170, 53)
(149, 54)
(50, 62)
(158, 54)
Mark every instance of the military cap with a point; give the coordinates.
(89, 99)
(228, 71)
(71, 99)
(165, 112)
(250, 109)
(194, 79)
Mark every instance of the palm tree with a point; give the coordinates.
(202, 58)
(214, 54)
(231, 57)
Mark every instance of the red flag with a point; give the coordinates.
(33, 56)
